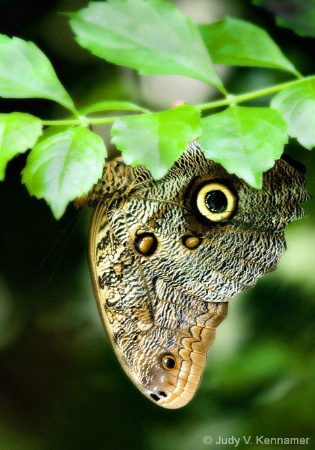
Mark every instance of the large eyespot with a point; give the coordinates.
(168, 362)
(216, 201)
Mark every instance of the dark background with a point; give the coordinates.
(61, 387)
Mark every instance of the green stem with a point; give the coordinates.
(234, 99)
(85, 121)
(228, 101)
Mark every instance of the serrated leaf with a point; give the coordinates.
(153, 37)
(64, 166)
(297, 106)
(18, 133)
(52, 131)
(246, 141)
(25, 72)
(156, 140)
(240, 43)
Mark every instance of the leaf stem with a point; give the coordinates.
(235, 99)
(83, 121)
(228, 101)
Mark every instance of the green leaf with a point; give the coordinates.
(297, 106)
(64, 166)
(25, 72)
(299, 15)
(112, 105)
(156, 140)
(246, 141)
(240, 43)
(153, 37)
(18, 133)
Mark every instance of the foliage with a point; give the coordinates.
(71, 160)
(152, 37)
(247, 133)
(299, 15)
(165, 135)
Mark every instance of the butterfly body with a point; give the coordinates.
(166, 256)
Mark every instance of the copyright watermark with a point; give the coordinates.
(249, 440)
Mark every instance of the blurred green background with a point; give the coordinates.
(61, 387)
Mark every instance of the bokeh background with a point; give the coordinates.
(61, 387)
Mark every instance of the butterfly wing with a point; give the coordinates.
(166, 256)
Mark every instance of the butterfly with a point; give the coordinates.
(167, 255)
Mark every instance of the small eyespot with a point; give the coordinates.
(145, 243)
(191, 242)
(168, 362)
(216, 201)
